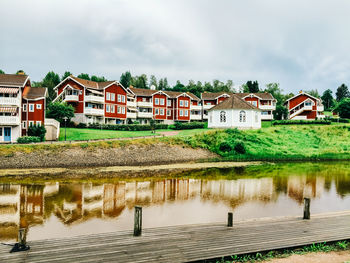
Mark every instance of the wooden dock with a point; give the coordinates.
(187, 243)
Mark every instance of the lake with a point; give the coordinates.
(63, 209)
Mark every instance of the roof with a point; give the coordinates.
(214, 95)
(33, 93)
(143, 92)
(302, 93)
(87, 83)
(234, 102)
(263, 96)
(13, 80)
(175, 94)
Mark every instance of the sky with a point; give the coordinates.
(300, 44)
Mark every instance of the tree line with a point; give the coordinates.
(142, 81)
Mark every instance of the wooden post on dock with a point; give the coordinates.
(22, 237)
(306, 208)
(138, 221)
(230, 219)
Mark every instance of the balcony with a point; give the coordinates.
(196, 117)
(131, 104)
(307, 107)
(144, 114)
(207, 107)
(320, 108)
(10, 101)
(93, 98)
(205, 116)
(131, 115)
(10, 120)
(266, 117)
(196, 107)
(91, 111)
(267, 107)
(71, 98)
(144, 104)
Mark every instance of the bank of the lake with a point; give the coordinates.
(279, 143)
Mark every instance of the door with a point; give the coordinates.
(7, 134)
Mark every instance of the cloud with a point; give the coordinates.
(300, 44)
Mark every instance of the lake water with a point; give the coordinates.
(56, 209)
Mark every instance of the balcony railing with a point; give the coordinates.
(10, 120)
(10, 101)
(207, 107)
(93, 98)
(145, 104)
(131, 115)
(267, 107)
(196, 107)
(307, 107)
(320, 108)
(145, 114)
(131, 104)
(71, 98)
(196, 117)
(91, 111)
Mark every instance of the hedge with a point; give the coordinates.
(122, 127)
(28, 139)
(342, 120)
(189, 125)
(300, 122)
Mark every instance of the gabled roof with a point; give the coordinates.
(234, 102)
(33, 93)
(175, 94)
(13, 80)
(261, 95)
(214, 95)
(302, 93)
(142, 92)
(87, 83)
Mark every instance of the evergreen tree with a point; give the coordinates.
(66, 75)
(343, 108)
(153, 81)
(2, 72)
(125, 79)
(342, 92)
(84, 76)
(327, 99)
(98, 79)
(251, 87)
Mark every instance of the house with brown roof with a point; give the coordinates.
(234, 112)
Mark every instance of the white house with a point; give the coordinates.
(234, 112)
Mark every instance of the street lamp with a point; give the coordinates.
(65, 128)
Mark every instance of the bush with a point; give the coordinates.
(189, 125)
(240, 148)
(300, 122)
(37, 131)
(81, 125)
(28, 139)
(225, 147)
(342, 120)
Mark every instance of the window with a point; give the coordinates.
(169, 102)
(161, 111)
(181, 103)
(181, 113)
(256, 116)
(264, 113)
(162, 101)
(112, 96)
(119, 98)
(157, 112)
(123, 98)
(168, 113)
(31, 107)
(123, 110)
(308, 103)
(38, 123)
(242, 116)
(108, 95)
(31, 123)
(24, 107)
(156, 101)
(118, 109)
(24, 125)
(112, 109)
(38, 106)
(108, 108)
(186, 113)
(144, 100)
(255, 103)
(222, 116)
(0, 131)
(186, 103)
(208, 103)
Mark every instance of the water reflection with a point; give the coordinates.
(184, 200)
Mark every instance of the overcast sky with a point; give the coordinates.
(302, 44)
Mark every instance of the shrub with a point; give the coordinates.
(28, 139)
(189, 125)
(240, 148)
(81, 125)
(225, 147)
(37, 131)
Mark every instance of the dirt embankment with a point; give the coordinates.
(131, 155)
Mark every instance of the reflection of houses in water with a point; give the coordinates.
(304, 186)
(9, 211)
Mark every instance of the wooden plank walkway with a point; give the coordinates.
(187, 243)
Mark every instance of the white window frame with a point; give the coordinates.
(186, 103)
(169, 102)
(112, 96)
(181, 103)
(162, 101)
(119, 98)
(123, 98)
(108, 96)
(242, 116)
(38, 106)
(161, 112)
(108, 109)
(38, 123)
(222, 116)
(186, 113)
(24, 125)
(31, 107)
(168, 113)
(112, 109)
(30, 123)
(24, 107)
(156, 112)
(123, 110)
(156, 101)
(181, 113)
(118, 109)
(255, 103)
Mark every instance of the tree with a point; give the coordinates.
(327, 99)
(251, 87)
(125, 79)
(50, 81)
(59, 110)
(314, 93)
(140, 82)
(2, 72)
(84, 76)
(342, 92)
(280, 113)
(20, 72)
(153, 81)
(343, 108)
(38, 131)
(66, 75)
(179, 86)
(98, 79)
